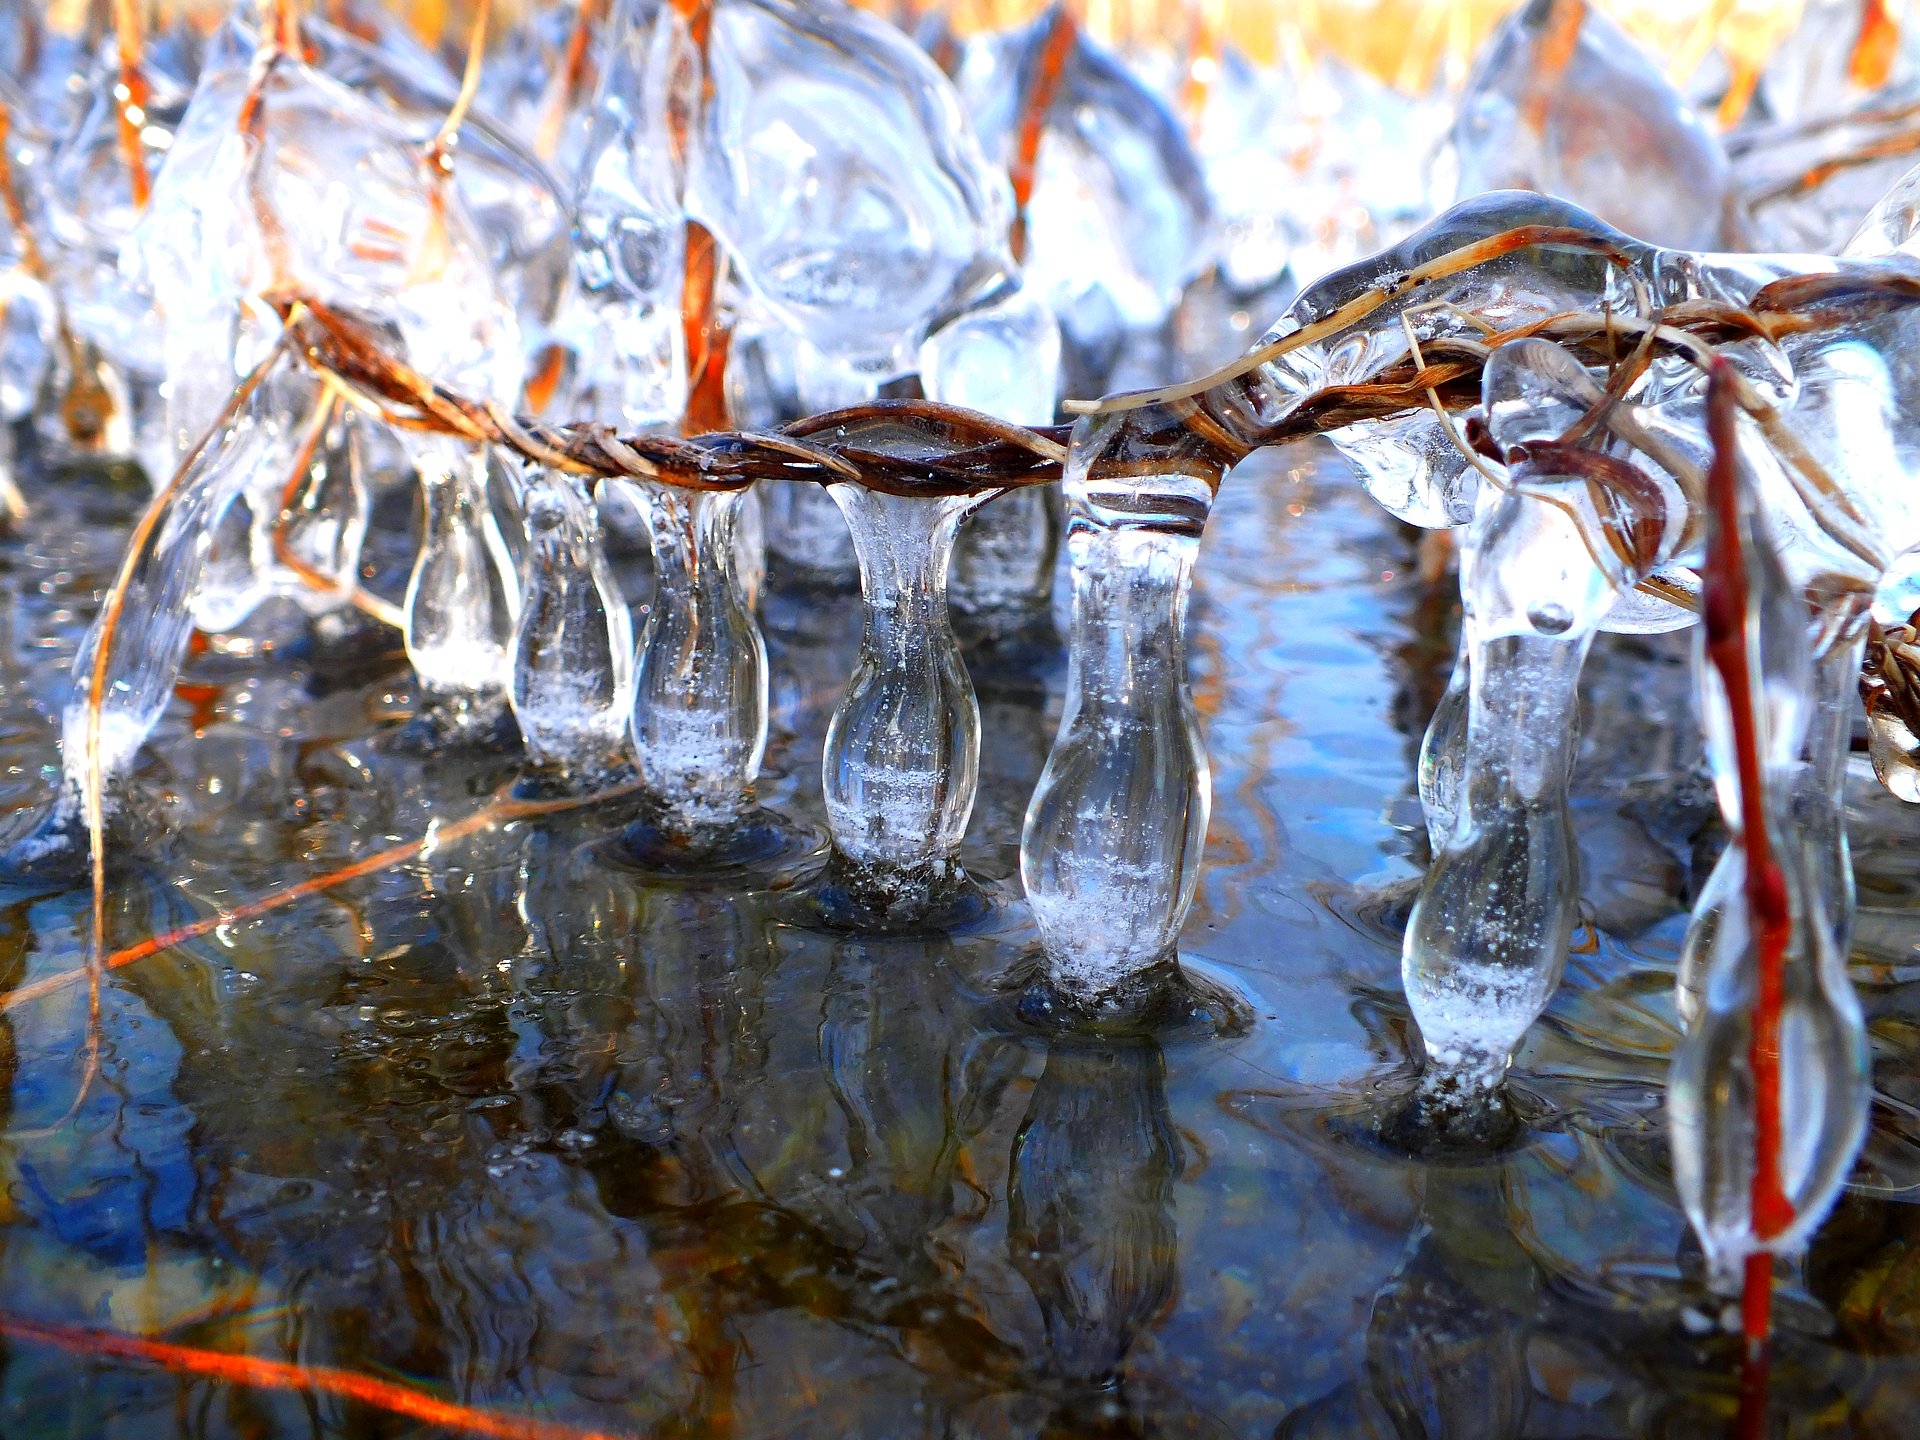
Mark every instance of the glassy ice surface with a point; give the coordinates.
(526, 1122)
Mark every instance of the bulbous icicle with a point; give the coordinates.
(1003, 359)
(1713, 1094)
(1110, 853)
(700, 678)
(1544, 562)
(572, 653)
(316, 554)
(463, 598)
(1488, 937)
(156, 617)
(903, 749)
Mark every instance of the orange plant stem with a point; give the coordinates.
(132, 95)
(261, 1374)
(706, 339)
(1034, 107)
(1875, 47)
(498, 811)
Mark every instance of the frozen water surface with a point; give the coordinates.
(530, 1128)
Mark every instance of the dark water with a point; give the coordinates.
(525, 1129)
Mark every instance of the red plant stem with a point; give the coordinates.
(1874, 47)
(705, 264)
(308, 1379)
(1044, 85)
(1756, 1304)
(1728, 606)
(132, 95)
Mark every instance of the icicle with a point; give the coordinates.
(317, 547)
(700, 679)
(1543, 563)
(1110, 853)
(572, 652)
(903, 750)
(462, 599)
(1563, 102)
(1768, 1097)
(149, 641)
(1442, 749)
(1002, 358)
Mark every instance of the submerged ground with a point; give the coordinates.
(524, 1127)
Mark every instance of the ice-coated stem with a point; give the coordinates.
(700, 679)
(1110, 853)
(151, 636)
(903, 749)
(320, 530)
(1767, 1101)
(1815, 789)
(572, 653)
(462, 598)
(1488, 936)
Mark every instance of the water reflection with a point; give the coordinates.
(1090, 1220)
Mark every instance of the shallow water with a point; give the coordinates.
(529, 1130)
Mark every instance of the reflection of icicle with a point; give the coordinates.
(903, 751)
(1090, 1220)
(572, 654)
(462, 599)
(1110, 853)
(700, 679)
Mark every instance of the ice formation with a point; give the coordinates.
(778, 209)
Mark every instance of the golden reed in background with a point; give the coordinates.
(1409, 44)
